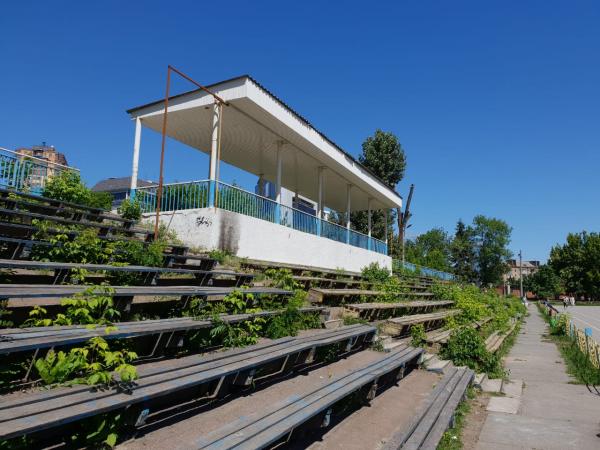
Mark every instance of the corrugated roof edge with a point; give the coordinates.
(285, 105)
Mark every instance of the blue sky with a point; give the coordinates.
(496, 103)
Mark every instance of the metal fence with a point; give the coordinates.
(26, 173)
(196, 194)
(422, 270)
(583, 338)
(175, 196)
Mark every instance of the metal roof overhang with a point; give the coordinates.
(252, 123)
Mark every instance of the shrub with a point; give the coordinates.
(130, 209)
(373, 273)
(93, 364)
(467, 348)
(68, 186)
(282, 278)
(417, 333)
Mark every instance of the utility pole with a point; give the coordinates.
(521, 272)
(403, 218)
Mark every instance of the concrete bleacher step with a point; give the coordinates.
(400, 326)
(318, 295)
(13, 340)
(26, 295)
(436, 415)
(290, 410)
(41, 410)
(438, 365)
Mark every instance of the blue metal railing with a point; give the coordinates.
(426, 271)
(175, 196)
(234, 199)
(197, 194)
(26, 173)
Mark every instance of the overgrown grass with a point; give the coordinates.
(578, 364)
(452, 438)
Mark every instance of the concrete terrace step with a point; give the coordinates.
(36, 411)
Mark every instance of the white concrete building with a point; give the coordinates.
(258, 133)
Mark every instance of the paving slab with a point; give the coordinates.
(512, 388)
(506, 405)
(492, 385)
(553, 413)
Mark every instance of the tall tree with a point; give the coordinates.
(577, 262)
(544, 283)
(491, 237)
(383, 155)
(462, 253)
(430, 249)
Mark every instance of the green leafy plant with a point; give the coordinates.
(290, 322)
(418, 336)
(374, 273)
(130, 209)
(282, 279)
(240, 334)
(93, 364)
(94, 306)
(219, 255)
(467, 348)
(68, 186)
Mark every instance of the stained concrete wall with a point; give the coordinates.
(247, 237)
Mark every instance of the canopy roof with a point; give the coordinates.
(253, 121)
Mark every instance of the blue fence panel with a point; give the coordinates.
(378, 246)
(333, 231)
(237, 200)
(298, 220)
(359, 240)
(426, 271)
(175, 197)
(25, 173)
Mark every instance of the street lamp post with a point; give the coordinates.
(521, 272)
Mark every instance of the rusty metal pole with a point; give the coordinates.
(162, 155)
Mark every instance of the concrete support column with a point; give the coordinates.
(320, 200)
(136, 156)
(214, 147)
(369, 215)
(348, 207)
(279, 168)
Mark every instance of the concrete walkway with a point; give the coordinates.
(550, 413)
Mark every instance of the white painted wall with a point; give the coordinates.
(247, 237)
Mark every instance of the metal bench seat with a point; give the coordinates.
(276, 424)
(18, 236)
(105, 228)
(27, 295)
(62, 270)
(42, 410)
(13, 340)
(39, 200)
(400, 325)
(317, 295)
(376, 311)
(436, 415)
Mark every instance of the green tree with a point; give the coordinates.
(462, 253)
(491, 237)
(544, 283)
(68, 186)
(430, 249)
(577, 263)
(383, 155)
